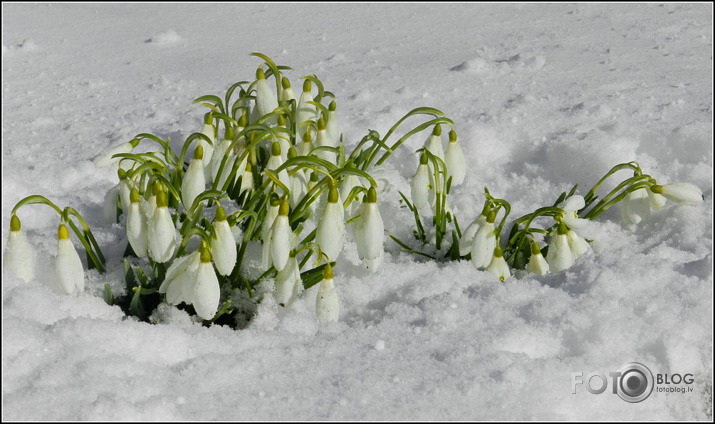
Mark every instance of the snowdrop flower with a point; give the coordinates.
(266, 100)
(683, 193)
(323, 139)
(498, 265)
(209, 131)
(207, 292)
(657, 200)
(331, 227)
(223, 245)
(19, 257)
(283, 140)
(454, 159)
(179, 281)
(560, 255)
(162, 233)
(484, 243)
(274, 162)
(286, 281)
(465, 243)
(298, 183)
(111, 200)
(370, 232)
(327, 304)
(137, 231)
(578, 244)
(306, 146)
(218, 157)
(287, 94)
(272, 208)
(280, 238)
(420, 185)
(434, 142)
(246, 178)
(570, 208)
(635, 206)
(68, 265)
(333, 124)
(105, 158)
(537, 264)
(305, 111)
(194, 181)
(126, 185)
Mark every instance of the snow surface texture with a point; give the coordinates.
(543, 96)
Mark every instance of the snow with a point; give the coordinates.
(543, 96)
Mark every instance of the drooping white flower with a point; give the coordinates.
(286, 281)
(454, 160)
(570, 208)
(274, 162)
(434, 142)
(162, 233)
(327, 303)
(150, 205)
(465, 243)
(323, 140)
(19, 257)
(68, 265)
(578, 244)
(126, 185)
(298, 182)
(657, 201)
(179, 281)
(484, 243)
(246, 178)
(111, 202)
(288, 93)
(306, 145)
(683, 193)
(537, 263)
(209, 130)
(137, 231)
(223, 245)
(333, 124)
(498, 265)
(560, 256)
(420, 186)
(222, 153)
(266, 100)
(105, 159)
(635, 207)
(280, 238)
(305, 110)
(194, 181)
(207, 291)
(370, 232)
(331, 226)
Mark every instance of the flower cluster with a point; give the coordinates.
(268, 171)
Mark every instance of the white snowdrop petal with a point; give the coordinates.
(286, 282)
(683, 193)
(331, 230)
(465, 243)
(456, 166)
(483, 245)
(560, 256)
(193, 183)
(137, 230)
(223, 248)
(68, 266)
(280, 243)
(19, 257)
(327, 303)
(162, 235)
(420, 187)
(371, 233)
(207, 292)
(499, 268)
(578, 245)
(537, 265)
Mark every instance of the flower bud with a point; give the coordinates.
(327, 304)
(68, 265)
(683, 193)
(454, 160)
(136, 226)
(19, 257)
(223, 245)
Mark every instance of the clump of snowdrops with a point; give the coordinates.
(268, 176)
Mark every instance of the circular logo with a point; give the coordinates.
(635, 383)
